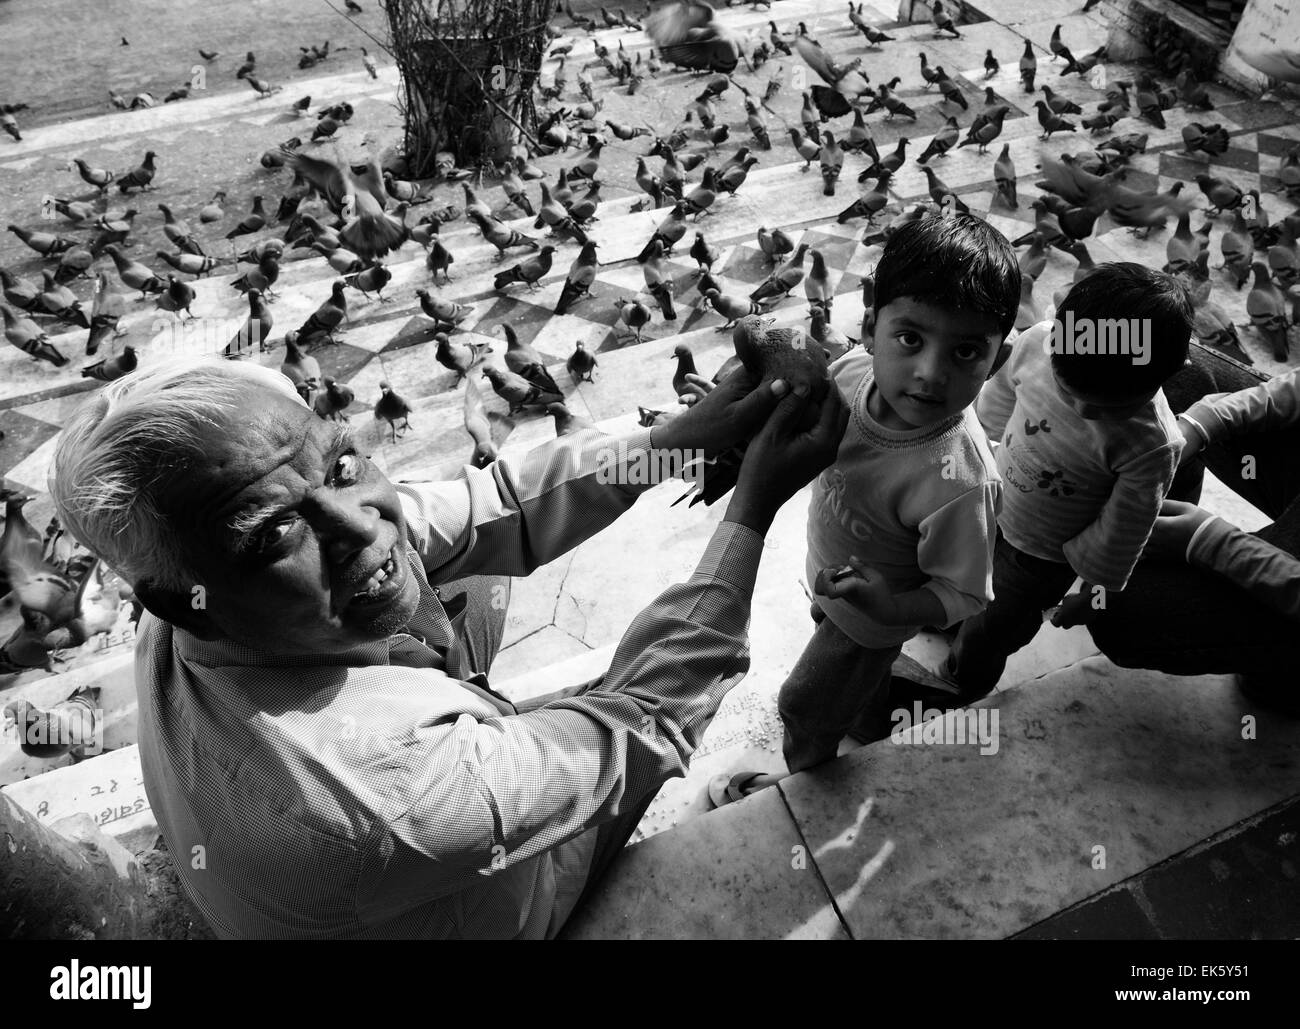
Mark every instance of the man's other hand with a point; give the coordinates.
(783, 458)
(722, 416)
(1174, 529)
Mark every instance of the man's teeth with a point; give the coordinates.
(373, 584)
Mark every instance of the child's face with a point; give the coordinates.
(1099, 409)
(930, 361)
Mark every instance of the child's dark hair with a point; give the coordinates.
(958, 261)
(1142, 298)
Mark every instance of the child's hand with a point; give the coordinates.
(1075, 609)
(863, 587)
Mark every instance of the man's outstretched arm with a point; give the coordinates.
(518, 514)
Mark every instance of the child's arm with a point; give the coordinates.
(955, 551)
(1270, 405)
(1105, 552)
(866, 589)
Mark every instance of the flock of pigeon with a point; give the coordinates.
(353, 216)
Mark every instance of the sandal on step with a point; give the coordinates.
(726, 788)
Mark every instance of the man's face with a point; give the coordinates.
(930, 361)
(291, 527)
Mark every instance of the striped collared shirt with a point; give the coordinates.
(351, 795)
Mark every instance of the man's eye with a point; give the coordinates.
(271, 536)
(347, 469)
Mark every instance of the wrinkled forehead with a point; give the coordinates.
(267, 437)
(266, 430)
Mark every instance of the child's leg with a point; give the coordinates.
(873, 721)
(1023, 588)
(834, 683)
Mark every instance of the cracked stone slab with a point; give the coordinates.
(1141, 764)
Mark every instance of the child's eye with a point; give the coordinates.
(968, 352)
(347, 469)
(910, 339)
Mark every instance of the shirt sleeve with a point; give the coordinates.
(1270, 405)
(1105, 552)
(518, 514)
(1267, 573)
(956, 551)
(492, 792)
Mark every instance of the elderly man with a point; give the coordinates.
(319, 741)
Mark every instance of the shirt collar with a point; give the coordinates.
(221, 653)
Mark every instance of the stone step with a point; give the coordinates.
(1076, 798)
(527, 685)
(108, 788)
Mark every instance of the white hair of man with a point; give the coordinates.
(129, 444)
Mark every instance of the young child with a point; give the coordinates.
(1089, 450)
(901, 526)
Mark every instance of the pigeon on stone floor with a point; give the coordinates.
(134, 274)
(333, 400)
(1052, 122)
(529, 271)
(301, 369)
(522, 359)
(502, 236)
(816, 284)
(943, 23)
(456, 356)
(1266, 306)
(255, 330)
(47, 244)
(140, 178)
(323, 322)
(391, 406)
(177, 297)
(26, 335)
(517, 391)
(371, 280)
(580, 364)
(1222, 194)
(1028, 67)
(443, 311)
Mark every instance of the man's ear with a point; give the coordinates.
(1004, 351)
(188, 611)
